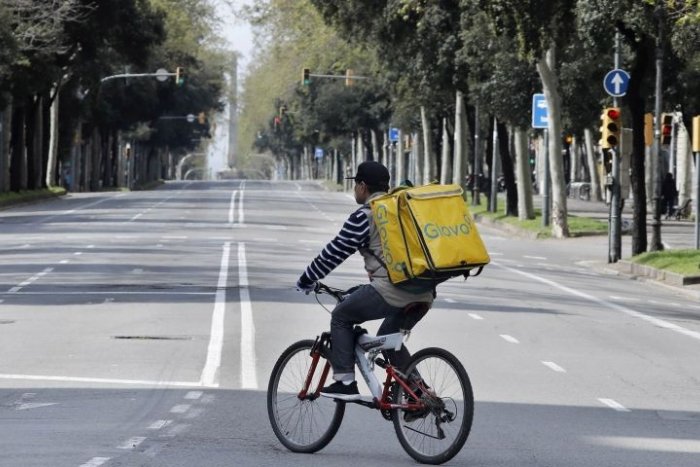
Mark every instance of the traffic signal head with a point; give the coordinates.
(305, 77)
(179, 76)
(607, 161)
(610, 129)
(666, 128)
(348, 77)
(696, 133)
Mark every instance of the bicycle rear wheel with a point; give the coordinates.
(302, 424)
(437, 433)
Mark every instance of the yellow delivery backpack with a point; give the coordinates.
(427, 234)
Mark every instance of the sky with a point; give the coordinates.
(236, 31)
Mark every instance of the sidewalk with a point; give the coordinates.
(674, 235)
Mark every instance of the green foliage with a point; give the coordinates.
(685, 262)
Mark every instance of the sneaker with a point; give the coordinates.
(342, 391)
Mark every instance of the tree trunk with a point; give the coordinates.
(426, 172)
(684, 164)
(461, 141)
(376, 153)
(522, 158)
(592, 165)
(508, 170)
(635, 100)
(417, 156)
(574, 158)
(38, 176)
(18, 160)
(550, 83)
(445, 159)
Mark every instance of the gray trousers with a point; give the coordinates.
(365, 304)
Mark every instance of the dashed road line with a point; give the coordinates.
(132, 443)
(180, 408)
(475, 316)
(540, 258)
(95, 462)
(510, 339)
(210, 376)
(193, 395)
(554, 367)
(614, 405)
(159, 424)
(78, 253)
(450, 300)
(249, 377)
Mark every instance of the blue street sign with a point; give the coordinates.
(393, 134)
(318, 153)
(616, 82)
(540, 112)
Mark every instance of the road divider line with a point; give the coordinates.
(232, 208)
(614, 405)
(510, 339)
(249, 378)
(216, 336)
(541, 258)
(193, 395)
(475, 316)
(159, 424)
(650, 319)
(553, 366)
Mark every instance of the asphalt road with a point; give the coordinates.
(141, 328)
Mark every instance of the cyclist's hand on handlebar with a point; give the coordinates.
(306, 285)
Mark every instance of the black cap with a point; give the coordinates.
(372, 173)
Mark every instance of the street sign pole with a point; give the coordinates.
(615, 230)
(545, 182)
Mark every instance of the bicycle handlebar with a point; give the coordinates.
(338, 294)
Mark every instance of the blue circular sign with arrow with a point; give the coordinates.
(616, 82)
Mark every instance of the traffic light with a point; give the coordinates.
(610, 130)
(202, 118)
(305, 77)
(567, 140)
(648, 129)
(666, 129)
(179, 76)
(348, 77)
(696, 133)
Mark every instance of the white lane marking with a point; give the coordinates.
(90, 247)
(655, 321)
(45, 272)
(131, 443)
(75, 379)
(675, 304)
(160, 245)
(174, 237)
(553, 366)
(685, 446)
(145, 292)
(216, 339)
(232, 208)
(623, 299)
(194, 413)
(450, 300)
(249, 378)
(541, 258)
(64, 261)
(137, 271)
(475, 316)
(510, 339)
(276, 227)
(27, 282)
(493, 253)
(614, 405)
(14, 289)
(136, 217)
(241, 216)
(78, 253)
(95, 462)
(180, 408)
(34, 405)
(177, 429)
(158, 424)
(193, 395)
(26, 245)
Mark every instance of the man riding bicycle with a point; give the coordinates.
(376, 300)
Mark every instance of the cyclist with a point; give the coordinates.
(376, 300)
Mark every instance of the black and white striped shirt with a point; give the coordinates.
(353, 236)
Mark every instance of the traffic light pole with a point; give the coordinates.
(656, 244)
(545, 181)
(615, 227)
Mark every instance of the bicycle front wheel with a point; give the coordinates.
(302, 423)
(438, 432)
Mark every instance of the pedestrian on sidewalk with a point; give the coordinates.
(668, 194)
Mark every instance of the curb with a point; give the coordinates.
(669, 277)
(30, 200)
(623, 269)
(506, 227)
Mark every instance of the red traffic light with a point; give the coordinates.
(614, 114)
(666, 130)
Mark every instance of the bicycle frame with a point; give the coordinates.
(381, 393)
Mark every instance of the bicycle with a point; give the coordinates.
(430, 402)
